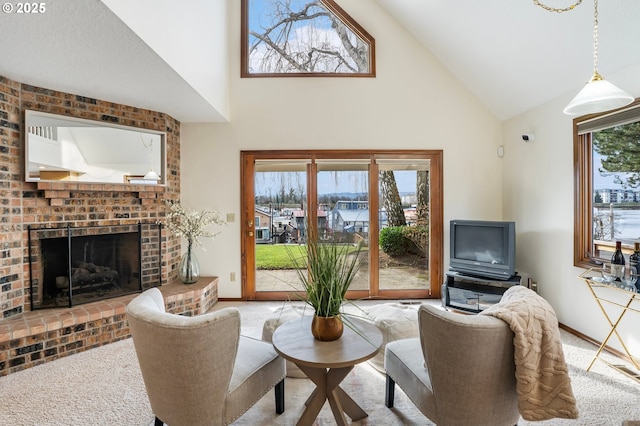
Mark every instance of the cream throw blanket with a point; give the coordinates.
(542, 378)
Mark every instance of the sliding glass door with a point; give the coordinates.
(388, 202)
(403, 203)
(280, 193)
(342, 197)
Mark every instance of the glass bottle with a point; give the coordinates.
(634, 258)
(617, 262)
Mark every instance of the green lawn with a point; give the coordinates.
(278, 256)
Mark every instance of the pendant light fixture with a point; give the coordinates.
(151, 175)
(598, 95)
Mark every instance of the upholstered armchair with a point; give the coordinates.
(460, 371)
(199, 370)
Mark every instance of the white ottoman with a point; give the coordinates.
(396, 321)
(279, 317)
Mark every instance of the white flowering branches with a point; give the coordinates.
(191, 224)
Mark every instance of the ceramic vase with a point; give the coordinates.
(327, 329)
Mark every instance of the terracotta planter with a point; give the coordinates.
(327, 329)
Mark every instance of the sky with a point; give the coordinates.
(603, 182)
(317, 32)
(331, 183)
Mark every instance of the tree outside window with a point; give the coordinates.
(303, 38)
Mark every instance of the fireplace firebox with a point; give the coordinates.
(71, 266)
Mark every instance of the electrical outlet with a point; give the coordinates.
(232, 276)
(231, 217)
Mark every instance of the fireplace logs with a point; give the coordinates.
(88, 276)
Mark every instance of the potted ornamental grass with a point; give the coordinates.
(192, 225)
(326, 271)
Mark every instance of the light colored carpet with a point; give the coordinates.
(104, 386)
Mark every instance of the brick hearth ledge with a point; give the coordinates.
(36, 337)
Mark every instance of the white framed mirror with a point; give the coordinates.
(61, 148)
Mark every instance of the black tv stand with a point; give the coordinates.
(474, 294)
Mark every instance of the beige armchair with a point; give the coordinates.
(199, 370)
(460, 371)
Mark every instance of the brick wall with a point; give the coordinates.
(58, 204)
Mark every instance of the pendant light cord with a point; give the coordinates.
(145, 144)
(595, 39)
(596, 75)
(555, 9)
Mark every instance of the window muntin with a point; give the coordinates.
(303, 38)
(607, 185)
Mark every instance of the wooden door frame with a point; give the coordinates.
(436, 217)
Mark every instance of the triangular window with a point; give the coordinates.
(303, 38)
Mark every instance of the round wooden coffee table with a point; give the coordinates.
(327, 363)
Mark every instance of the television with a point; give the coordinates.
(484, 249)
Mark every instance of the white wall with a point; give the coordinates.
(413, 103)
(538, 195)
(185, 41)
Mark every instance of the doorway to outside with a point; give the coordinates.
(389, 202)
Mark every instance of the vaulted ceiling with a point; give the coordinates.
(512, 54)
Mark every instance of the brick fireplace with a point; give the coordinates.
(29, 337)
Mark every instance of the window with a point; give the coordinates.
(607, 184)
(303, 38)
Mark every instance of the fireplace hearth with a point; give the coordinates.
(72, 266)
